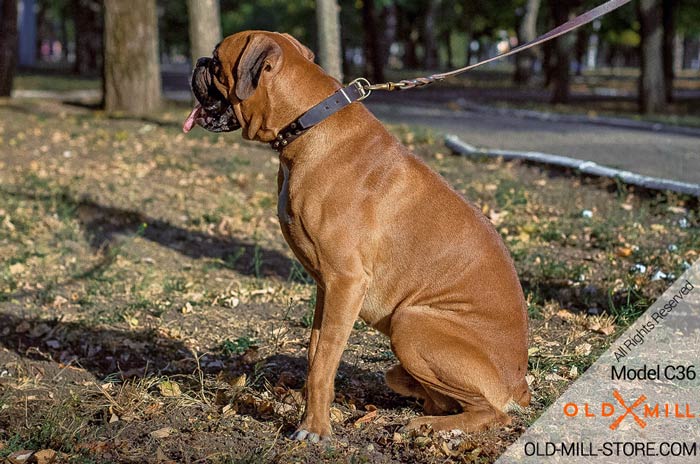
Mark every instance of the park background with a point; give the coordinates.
(150, 310)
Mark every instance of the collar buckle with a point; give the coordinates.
(363, 87)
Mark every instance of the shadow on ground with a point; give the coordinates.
(123, 354)
(104, 224)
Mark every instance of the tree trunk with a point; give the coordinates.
(527, 31)
(205, 27)
(132, 71)
(8, 45)
(63, 38)
(88, 36)
(389, 23)
(670, 19)
(561, 48)
(430, 36)
(374, 64)
(329, 37)
(652, 87)
(580, 50)
(42, 28)
(446, 38)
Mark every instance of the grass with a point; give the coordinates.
(55, 82)
(148, 257)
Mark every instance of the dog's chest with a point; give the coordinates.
(283, 197)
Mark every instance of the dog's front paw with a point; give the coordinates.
(303, 434)
(312, 434)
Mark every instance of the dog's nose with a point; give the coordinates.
(203, 62)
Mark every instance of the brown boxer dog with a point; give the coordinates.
(385, 238)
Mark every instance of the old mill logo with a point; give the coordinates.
(639, 410)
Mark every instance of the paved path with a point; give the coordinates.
(658, 154)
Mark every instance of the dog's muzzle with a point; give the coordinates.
(213, 111)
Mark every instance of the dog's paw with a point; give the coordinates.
(303, 434)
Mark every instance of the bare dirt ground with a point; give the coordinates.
(150, 310)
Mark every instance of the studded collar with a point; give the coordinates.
(355, 91)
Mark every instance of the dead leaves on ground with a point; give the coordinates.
(45, 456)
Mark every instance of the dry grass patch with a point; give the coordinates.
(150, 310)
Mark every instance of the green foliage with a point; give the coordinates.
(237, 346)
(296, 18)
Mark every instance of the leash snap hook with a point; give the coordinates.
(363, 87)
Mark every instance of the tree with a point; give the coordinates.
(430, 58)
(205, 27)
(329, 37)
(652, 87)
(132, 71)
(561, 10)
(88, 36)
(374, 63)
(8, 45)
(670, 9)
(527, 31)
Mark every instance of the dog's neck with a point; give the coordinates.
(325, 140)
(337, 101)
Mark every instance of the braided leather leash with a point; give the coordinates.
(565, 28)
(360, 88)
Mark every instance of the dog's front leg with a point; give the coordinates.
(342, 301)
(316, 327)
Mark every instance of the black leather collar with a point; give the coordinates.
(355, 91)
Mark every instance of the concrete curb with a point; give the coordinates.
(455, 144)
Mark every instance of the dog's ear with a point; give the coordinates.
(261, 55)
(308, 54)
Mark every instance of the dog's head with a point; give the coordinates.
(249, 82)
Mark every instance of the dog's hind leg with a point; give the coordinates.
(476, 415)
(403, 383)
(456, 366)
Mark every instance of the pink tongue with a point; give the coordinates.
(191, 119)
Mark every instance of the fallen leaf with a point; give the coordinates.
(624, 252)
(564, 314)
(187, 308)
(162, 433)
(169, 389)
(337, 415)
(677, 210)
(583, 349)
(422, 442)
(59, 301)
(369, 417)
(45, 456)
(605, 329)
(17, 268)
(239, 381)
(20, 457)
(228, 409)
